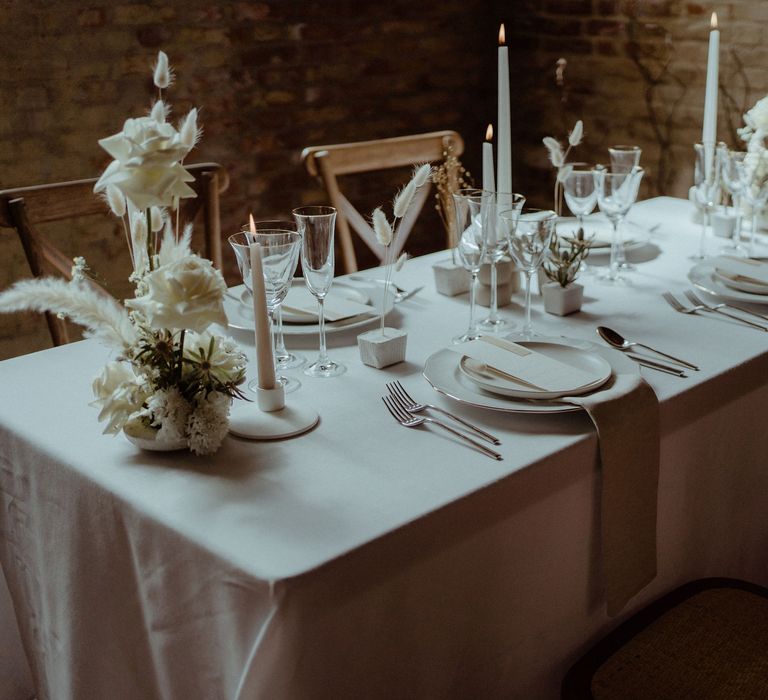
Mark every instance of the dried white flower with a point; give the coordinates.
(574, 138)
(403, 200)
(421, 175)
(189, 132)
(162, 72)
(401, 261)
(115, 200)
(556, 156)
(381, 227)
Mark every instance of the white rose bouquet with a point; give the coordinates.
(173, 380)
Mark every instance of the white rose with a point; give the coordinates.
(147, 168)
(757, 117)
(188, 293)
(119, 395)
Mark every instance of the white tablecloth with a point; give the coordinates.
(364, 559)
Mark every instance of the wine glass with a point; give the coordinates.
(473, 209)
(530, 232)
(317, 226)
(580, 194)
(495, 247)
(734, 181)
(616, 193)
(623, 160)
(707, 191)
(279, 257)
(284, 358)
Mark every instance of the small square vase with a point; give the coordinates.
(504, 295)
(451, 279)
(379, 351)
(562, 301)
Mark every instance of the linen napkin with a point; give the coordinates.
(625, 412)
(744, 268)
(336, 306)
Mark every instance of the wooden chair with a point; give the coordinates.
(328, 162)
(706, 640)
(24, 208)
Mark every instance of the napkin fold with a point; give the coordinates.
(625, 413)
(336, 305)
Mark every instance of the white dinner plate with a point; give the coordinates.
(739, 283)
(338, 291)
(442, 372)
(599, 371)
(704, 278)
(597, 227)
(240, 316)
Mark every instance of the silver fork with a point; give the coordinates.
(397, 390)
(698, 300)
(410, 421)
(702, 307)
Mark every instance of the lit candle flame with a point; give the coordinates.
(502, 36)
(713, 21)
(252, 224)
(489, 133)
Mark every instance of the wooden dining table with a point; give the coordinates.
(364, 559)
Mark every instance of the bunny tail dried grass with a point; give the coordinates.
(422, 174)
(103, 318)
(404, 199)
(171, 249)
(162, 73)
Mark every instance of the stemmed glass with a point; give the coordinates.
(707, 189)
(530, 232)
(317, 226)
(280, 255)
(733, 177)
(616, 193)
(755, 189)
(473, 209)
(623, 160)
(496, 246)
(284, 358)
(580, 195)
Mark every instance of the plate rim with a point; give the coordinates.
(706, 268)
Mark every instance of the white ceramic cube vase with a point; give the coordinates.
(381, 350)
(562, 301)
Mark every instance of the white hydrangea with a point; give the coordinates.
(209, 423)
(169, 412)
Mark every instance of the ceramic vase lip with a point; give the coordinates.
(155, 445)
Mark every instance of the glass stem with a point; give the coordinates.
(736, 200)
(493, 317)
(703, 240)
(323, 357)
(281, 353)
(752, 232)
(613, 272)
(621, 259)
(528, 327)
(472, 330)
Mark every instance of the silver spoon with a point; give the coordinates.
(618, 341)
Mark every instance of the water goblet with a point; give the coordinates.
(616, 193)
(707, 191)
(496, 246)
(530, 232)
(279, 257)
(284, 358)
(317, 226)
(580, 194)
(733, 179)
(623, 160)
(473, 209)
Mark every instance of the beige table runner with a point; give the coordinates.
(626, 416)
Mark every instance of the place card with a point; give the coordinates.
(337, 306)
(523, 364)
(749, 270)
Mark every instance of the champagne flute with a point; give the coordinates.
(616, 193)
(496, 246)
(623, 160)
(707, 189)
(530, 232)
(284, 358)
(280, 255)
(317, 226)
(473, 208)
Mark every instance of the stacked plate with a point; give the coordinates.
(239, 309)
(707, 277)
(470, 382)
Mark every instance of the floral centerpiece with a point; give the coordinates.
(172, 381)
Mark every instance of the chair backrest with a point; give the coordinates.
(328, 162)
(23, 208)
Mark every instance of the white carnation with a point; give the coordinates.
(169, 411)
(209, 423)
